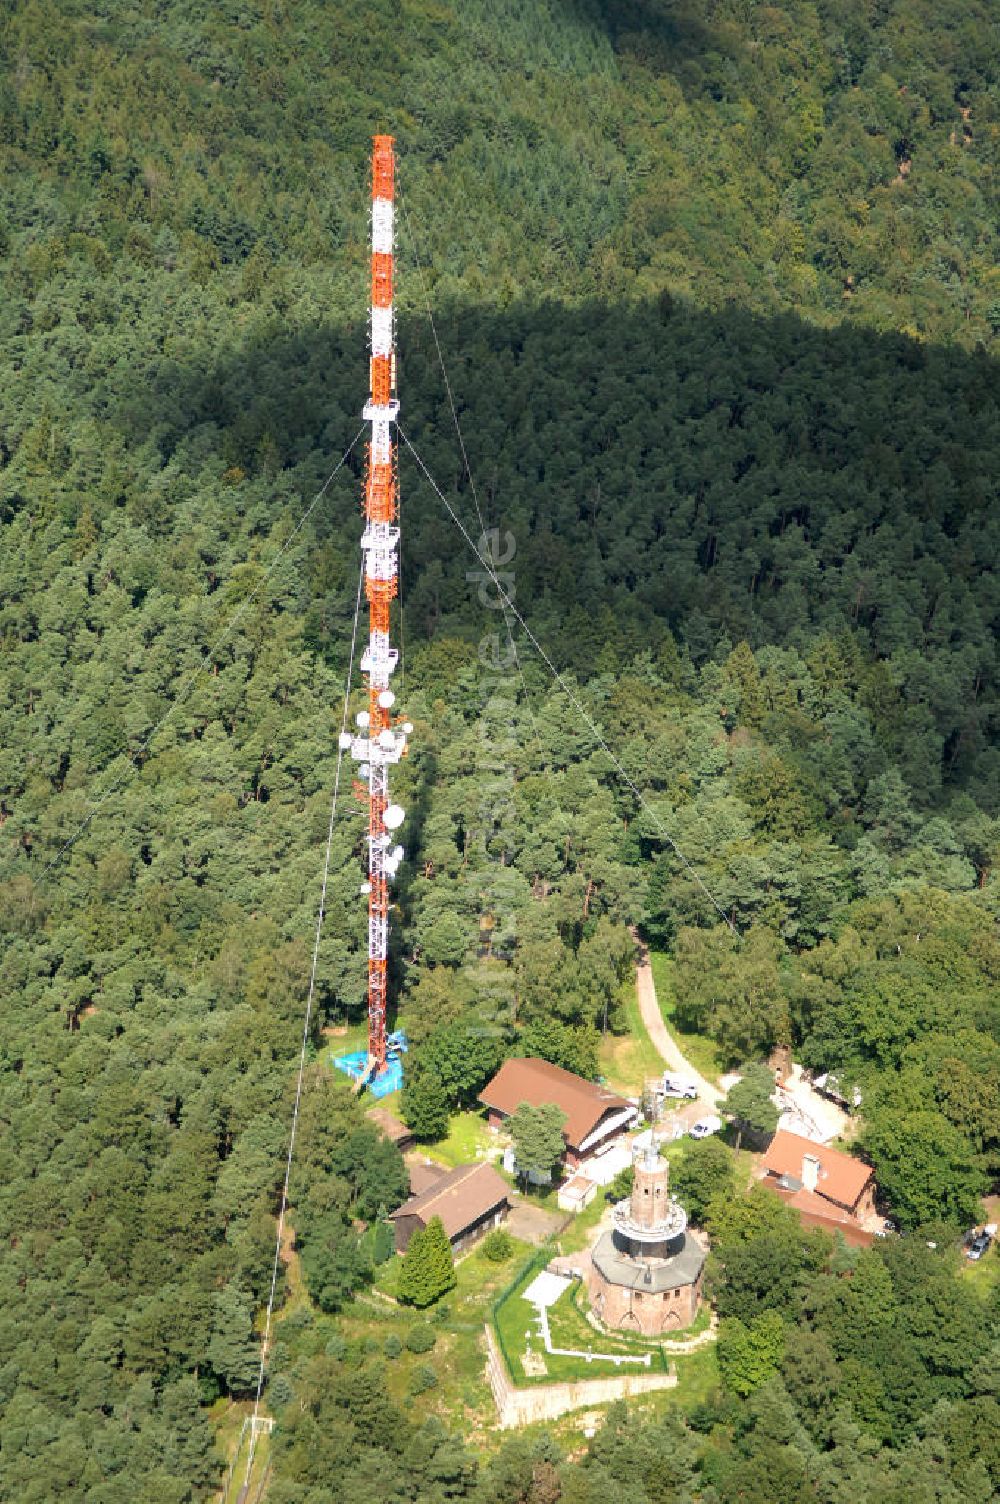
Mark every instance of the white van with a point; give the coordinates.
(676, 1086)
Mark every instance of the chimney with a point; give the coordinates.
(810, 1171)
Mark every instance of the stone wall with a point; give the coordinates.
(521, 1406)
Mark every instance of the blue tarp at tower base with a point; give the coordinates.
(355, 1065)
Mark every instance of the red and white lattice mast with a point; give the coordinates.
(381, 739)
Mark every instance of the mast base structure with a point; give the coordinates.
(380, 739)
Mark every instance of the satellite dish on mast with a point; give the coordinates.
(393, 817)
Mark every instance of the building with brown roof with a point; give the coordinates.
(593, 1113)
(423, 1173)
(470, 1200)
(828, 1188)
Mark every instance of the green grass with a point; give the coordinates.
(702, 1052)
(580, 1231)
(467, 1132)
(234, 1444)
(983, 1274)
(629, 1060)
(462, 1398)
(515, 1320)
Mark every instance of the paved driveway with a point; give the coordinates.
(533, 1223)
(662, 1039)
(602, 1168)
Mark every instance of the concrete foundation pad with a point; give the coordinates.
(546, 1288)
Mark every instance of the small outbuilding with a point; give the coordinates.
(470, 1200)
(575, 1194)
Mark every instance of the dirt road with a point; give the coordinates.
(663, 1040)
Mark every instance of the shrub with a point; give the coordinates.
(392, 1346)
(498, 1245)
(420, 1339)
(423, 1378)
(622, 1185)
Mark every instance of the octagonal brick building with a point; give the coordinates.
(646, 1271)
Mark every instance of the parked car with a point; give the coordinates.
(676, 1086)
(978, 1245)
(705, 1126)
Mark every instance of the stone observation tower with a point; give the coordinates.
(646, 1270)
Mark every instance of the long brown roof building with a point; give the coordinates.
(469, 1200)
(593, 1113)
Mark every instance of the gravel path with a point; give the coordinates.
(663, 1040)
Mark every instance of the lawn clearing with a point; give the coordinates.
(580, 1232)
(467, 1140)
(983, 1274)
(702, 1052)
(461, 1398)
(516, 1324)
(629, 1060)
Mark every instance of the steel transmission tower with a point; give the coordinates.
(381, 739)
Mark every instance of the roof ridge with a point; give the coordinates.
(453, 1177)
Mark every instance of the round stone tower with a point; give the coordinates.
(646, 1272)
(650, 1222)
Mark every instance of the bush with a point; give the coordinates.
(423, 1378)
(392, 1346)
(621, 1186)
(498, 1245)
(336, 1347)
(420, 1339)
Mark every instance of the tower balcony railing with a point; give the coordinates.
(666, 1227)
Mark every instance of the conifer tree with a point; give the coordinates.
(232, 1350)
(428, 1268)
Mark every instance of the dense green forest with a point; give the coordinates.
(717, 288)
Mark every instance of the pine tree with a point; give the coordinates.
(428, 1268)
(232, 1351)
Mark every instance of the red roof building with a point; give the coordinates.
(593, 1113)
(828, 1188)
